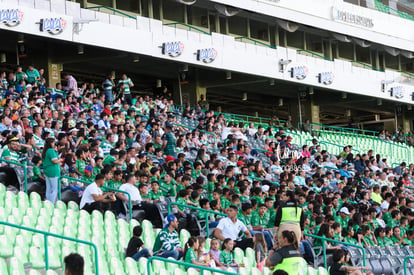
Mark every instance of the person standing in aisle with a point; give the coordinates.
(290, 217)
(51, 169)
(128, 84)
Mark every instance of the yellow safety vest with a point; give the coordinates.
(291, 215)
(293, 266)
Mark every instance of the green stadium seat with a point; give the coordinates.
(51, 272)
(16, 267)
(192, 271)
(184, 236)
(255, 271)
(3, 267)
(6, 246)
(34, 272)
(54, 257)
(312, 271)
(142, 265)
(74, 206)
(238, 255)
(322, 271)
(131, 266)
(251, 259)
(35, 200)
(36, 258)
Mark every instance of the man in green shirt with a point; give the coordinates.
(343, 217)
(260, 220)
(32, 74)
(10, 151)
(167, 244)
(167, 188)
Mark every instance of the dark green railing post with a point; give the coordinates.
(68, 178)
(323, 239)
(123, 192)
(324, 254)
(46, 252)
(46, 234)
(405, 263)
(25, 177)
(198, 209)
(202, 268)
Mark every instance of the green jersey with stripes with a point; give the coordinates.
(127, 85)
(38, 141)
(106, 147)
(10, 155)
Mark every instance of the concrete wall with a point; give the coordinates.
(145, 36)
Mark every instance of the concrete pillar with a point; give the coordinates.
(53, 73)
(407, 120)
(309, 110)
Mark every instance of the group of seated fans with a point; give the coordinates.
(108, 141)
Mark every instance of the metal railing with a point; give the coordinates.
(71, 179)
(259, 179)
(198, 209)
(255, 42)
(405, 263)
(114, 11)
(123, 192)
(202, 131)
(366, 66)
(341, 129)
(103, 187)
(313, 54)
(24, 165)
(48, 234)
(409, 75)
(190, 28)
(323, 239)
(202, 268)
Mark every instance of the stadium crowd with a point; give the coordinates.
(270, 199)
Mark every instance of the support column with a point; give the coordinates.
(407, 120)
(308, 110)
(53, 73)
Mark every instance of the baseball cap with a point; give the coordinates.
(72, 170)
(344, 210)
(169, 158)
(88, 169)
(169, 219)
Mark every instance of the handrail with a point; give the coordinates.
(48, 234)
(343, 129)
(24, 165)
(255, 41)
(314, 54)
(366, 66)
(103, 187)
(405, 263)
(201, 267)
(188, 127)
(123, 192)
(323, 239)
(111, 9)
(68, 178)
(331, 168)
(295, 134)
(259, 179)
(198, 209)
(188, 26)
(410, 75)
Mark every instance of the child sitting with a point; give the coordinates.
(136, 248)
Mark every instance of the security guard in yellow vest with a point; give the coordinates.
(287, 258)
(290, 217)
